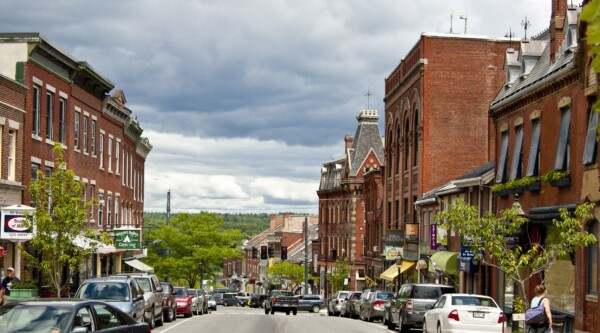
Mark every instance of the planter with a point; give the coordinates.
(533, 187)
(503, 193)
(18, 294)
(565, 181)
(517, 190)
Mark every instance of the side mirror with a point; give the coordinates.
(139, 298)
(159, 289)
(429, 306)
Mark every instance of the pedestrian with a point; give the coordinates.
(541, 298)
(7, 283)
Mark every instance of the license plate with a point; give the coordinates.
(286, 305)
(478, 314)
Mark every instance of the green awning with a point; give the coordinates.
(446, 262)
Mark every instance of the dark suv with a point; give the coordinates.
(169, 303)
(407, 309)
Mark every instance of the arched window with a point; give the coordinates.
(390, 156)
(416, 138)
(397, 159)
(593, 260)
(406, 146)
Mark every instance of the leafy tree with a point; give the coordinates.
(340, 272)
(59, 218)
(192, 247)
(287, 270)
(591, 14)
(487, 233)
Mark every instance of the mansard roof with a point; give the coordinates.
(367, 139)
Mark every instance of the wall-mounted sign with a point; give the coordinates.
(439, 237)
(412, 231)
(13, 223)
(127, 239)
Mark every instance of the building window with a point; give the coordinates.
(12, 152)
(109, 160)
(117, 150)
(561, 162)
(406, 147)
(123, 176)
(92, 196)
(35, 168)
(589, 153)
(533, 164)
(416, 138)
(100, 208)
(93, 136)
(49, 115)
(117, 223)
(62, 121)
(36, 110)
(516, 168)
(108, 210)
(501, 175)
(77, 130)
(101, 150)
(85, 133)
(593, 260)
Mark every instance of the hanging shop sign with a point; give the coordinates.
(127, 239)
(13, 223)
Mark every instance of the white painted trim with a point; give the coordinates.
(37, 81)
(51, 88)
(36, 160)
(14, 124)
(63, 95)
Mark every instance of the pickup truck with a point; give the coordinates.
(282, 301)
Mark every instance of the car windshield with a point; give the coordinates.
(343, 295)
(111, 291)
(210, 298)
(427, 292)
(180, 292)
(166, 289)
(33, 318)
(281, 293)
(145, 284)
(193, 292)
(218, 295)
(356, 295)
(473, 300)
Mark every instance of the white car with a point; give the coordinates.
(463, 313)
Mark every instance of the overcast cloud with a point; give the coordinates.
(244, 100)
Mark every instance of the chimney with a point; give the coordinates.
(557, 21)
(349, 140)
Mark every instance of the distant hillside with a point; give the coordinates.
(249, 224)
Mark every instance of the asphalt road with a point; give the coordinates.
(244, 319)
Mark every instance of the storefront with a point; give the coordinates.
(443, 267)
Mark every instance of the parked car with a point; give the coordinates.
(407, 309)
(351, 305)
(230, 300)
(219, 298)
(184, 301)
(66, 315)
(198, 303)
(169, 302)
(257, 300)
(243, 298)
(212, 304)
(312, 303)
(152, 296)
(121, 291)
(334, 306)
(463, 313)
(374, 307)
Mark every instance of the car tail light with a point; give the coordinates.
(454, 315)
(274, 299)
(501, 318)
(378, 304)
(409, 306)
(337, 301)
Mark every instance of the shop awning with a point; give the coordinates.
(391, 273)
(444, 262)
(87, 243)
(139, 266)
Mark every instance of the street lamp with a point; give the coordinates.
(464, 17)
(399, 264)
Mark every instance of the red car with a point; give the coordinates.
(184, 301)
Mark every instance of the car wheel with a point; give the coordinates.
(295, 312)
(151, 319)
(188, 313)
(200, 311)
(272, 311)
(174, 313)
(390, 322)
(329, 312)
(266, 311)
(424, 326)
(316, 308)
(287, 313)
(159, 320)
(401, 327)
(369, 318)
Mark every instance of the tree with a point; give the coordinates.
(59, 218)
(487, 237)
(287, 270)
(340, 272)
(192, 247)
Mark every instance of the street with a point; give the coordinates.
(243, 319)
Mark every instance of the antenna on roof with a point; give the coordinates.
(451, 18)
(510, 34)
(368, 94)
(464, 17)
(525, 24)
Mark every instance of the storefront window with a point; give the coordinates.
(560, 280)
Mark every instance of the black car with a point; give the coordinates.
(66, 316)
(169, 303)
(257, 300)
(312, 303)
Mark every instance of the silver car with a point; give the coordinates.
(198, 302)
(334, 307)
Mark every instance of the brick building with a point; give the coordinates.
(437, 129)
(12, 113)
(540, 116)
(342, 201)
(69, 102)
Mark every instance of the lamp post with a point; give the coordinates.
(399, 264)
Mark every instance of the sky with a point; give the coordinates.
(244, 100)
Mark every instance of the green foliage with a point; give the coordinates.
(23, 285)
(518, 304)
(340, 272)
(553, 175)
(192, 247)
(287, 270)
(59, 218)
(515, 183)
(249, 224)
(487, 233)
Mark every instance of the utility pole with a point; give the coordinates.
(306, 254)
(168, 252)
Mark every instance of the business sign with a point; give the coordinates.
(439, 237)
(13, 223)
(127, 239)
(393, 252)
(393, 244)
